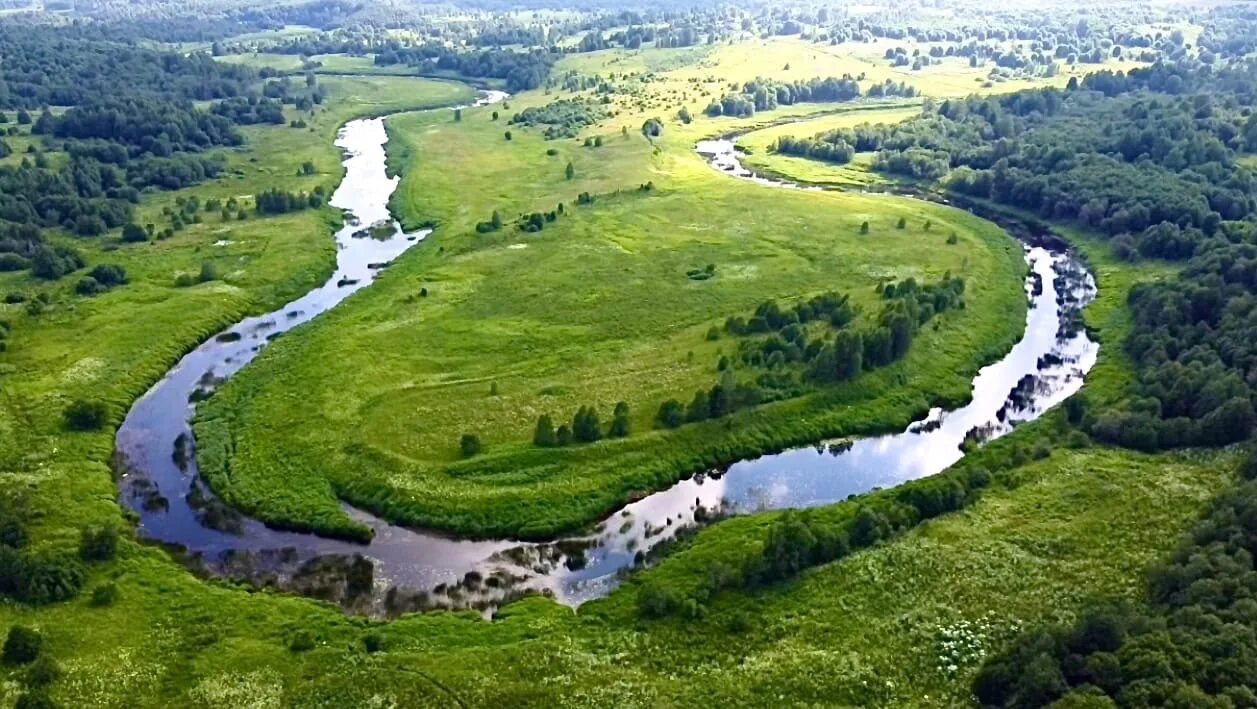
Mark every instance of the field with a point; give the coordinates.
(593, 309)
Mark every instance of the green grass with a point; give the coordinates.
(593, 310)
(863, 631)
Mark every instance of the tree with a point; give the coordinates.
(902, 223)
(544, 433)
(684, 115)
(671, 414)
(652, 128)
(570, 171)
(585, 425)
(864, 228)
(619, 421)
(469, 445)
(848, 355)
(700, 407)
(563, 435)
(507, 134)
(22, 645)
(496, 220)
(458, 115)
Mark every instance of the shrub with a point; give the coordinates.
(88, 286)
(301, 641)
(83, 415)
(99, 544)
(13, 262)
(469, 444)
(35, 699)
(109, 275)
(864, 228)
(373, 642)
(22, 645)
(104, 595)
(656, 601)
(42, 672)
(133, 233)
(902, 223)
(209, 272)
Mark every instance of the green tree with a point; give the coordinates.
(570, 171)
(458, 115)
(507, 134)
(619, 421)
(902, 223)
(671, 414)
(864, 228)
(700, 407)
(585, 425)
(563, 435)
(544, 433)
(848, 355)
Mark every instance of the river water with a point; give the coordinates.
(417, 569)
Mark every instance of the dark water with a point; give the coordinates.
(426, 569)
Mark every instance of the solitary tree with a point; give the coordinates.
(570, 171)
(458, 115)
(864, 228)
(469, 444)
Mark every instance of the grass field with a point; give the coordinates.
(593, 310)
(596, 306)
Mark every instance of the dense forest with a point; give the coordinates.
(119, 138)
(1148, 159)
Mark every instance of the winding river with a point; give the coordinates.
(416, 569)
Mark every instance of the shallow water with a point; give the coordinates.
(1043, 368)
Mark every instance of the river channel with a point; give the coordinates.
(418, 569)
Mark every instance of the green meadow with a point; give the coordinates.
(594, 309)
(368, 404)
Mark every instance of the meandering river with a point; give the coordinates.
(415, 569)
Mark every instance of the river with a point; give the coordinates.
(417, 569)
